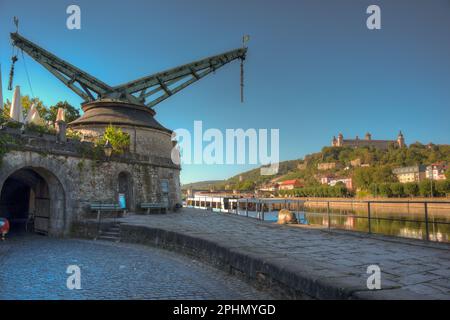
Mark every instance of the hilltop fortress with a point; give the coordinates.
(367, 142)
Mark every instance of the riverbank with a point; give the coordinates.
(382, 205)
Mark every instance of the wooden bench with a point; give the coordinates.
(149, 206)
(105, 207)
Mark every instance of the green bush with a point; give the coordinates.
(322, 191)
(119, 140)
(411, 189)
(71, 134)
(373, 189)
(442, 187)
(385, 190)
(425, 188)
(397, 189)
(41, 129)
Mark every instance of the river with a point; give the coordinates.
(407, 225)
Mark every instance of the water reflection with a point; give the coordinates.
(407, 225)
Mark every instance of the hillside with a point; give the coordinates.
(366, 165)
(201, 185)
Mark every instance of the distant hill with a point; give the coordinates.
(252, 176)
(201, 185)
(366, 165)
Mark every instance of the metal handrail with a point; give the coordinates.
(261, 202)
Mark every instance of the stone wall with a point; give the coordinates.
(81, 179)
(144, 141)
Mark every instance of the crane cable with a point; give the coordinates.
(13, 56)
(245, 40)
(28, 75)
(242, 80)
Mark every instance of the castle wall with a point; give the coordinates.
(379, 144)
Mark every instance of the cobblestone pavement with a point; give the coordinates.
(34, 267)
(411, 265)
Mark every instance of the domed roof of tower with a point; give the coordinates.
(117, 113)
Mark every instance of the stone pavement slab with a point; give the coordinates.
(327, 264)
(34, 267)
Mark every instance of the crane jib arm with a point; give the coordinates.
(148, 91)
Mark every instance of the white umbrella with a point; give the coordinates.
(61, 115)
(16, 113)
(34, 117)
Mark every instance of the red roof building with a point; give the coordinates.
(290, 184)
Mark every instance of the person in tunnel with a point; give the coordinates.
(4, 227)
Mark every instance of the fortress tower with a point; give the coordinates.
(400, 140)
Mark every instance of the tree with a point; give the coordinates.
(385, 190)
(246, 186)
(373, 189)
(411, 189)
(397, 189)
(26, 102)
(364, 177)
(442, 187)
(71, 112)
(425, 188)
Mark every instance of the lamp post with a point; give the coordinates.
(108, 149)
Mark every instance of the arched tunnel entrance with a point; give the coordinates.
(30, 198)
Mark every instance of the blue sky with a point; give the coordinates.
(313, 68)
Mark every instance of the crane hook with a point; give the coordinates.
(11, 72)
(245, 40)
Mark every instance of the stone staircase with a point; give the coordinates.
(110, 234)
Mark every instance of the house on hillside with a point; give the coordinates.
(436, 171)
(347, 181)
(328, 165)
(410, 174)
(326, 179)
(270, 187)
(290, 184)
(332, 181)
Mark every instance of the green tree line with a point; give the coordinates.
(46, 113)
(425, 188)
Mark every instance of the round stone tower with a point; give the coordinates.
(147, 136)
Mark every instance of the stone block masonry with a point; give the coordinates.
(300, 263)
(76, 177)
